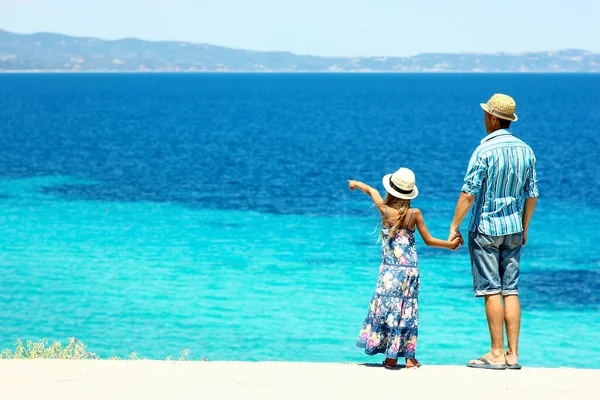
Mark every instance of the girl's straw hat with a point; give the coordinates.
(501, 106)
(401, 184)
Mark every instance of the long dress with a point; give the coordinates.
(391, 325)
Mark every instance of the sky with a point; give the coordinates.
(323, 27)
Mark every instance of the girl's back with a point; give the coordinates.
(399, 248)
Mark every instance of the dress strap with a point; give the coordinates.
(387, 216)
(409, 218)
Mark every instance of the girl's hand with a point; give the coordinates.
(368, 190)
(455, 243)
(353, 184)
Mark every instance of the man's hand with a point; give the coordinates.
(524, 237)
(455, 234)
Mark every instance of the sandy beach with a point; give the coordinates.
(79, 380)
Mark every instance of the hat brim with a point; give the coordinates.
(395, 193)
(491, 112)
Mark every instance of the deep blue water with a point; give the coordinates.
(153, 212)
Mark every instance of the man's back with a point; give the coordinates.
(501, 173)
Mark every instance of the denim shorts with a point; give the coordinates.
(495, 263)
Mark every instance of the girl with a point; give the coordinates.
(391, 326)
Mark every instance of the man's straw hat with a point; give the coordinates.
(501, 106)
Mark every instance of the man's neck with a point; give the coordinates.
(495, 134)
(499, 129)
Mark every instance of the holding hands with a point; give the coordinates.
(456, 237)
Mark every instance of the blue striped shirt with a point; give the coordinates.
(501, 174)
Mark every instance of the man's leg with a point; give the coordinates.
(484, 254)
(494, 312)
(510, 256)
(512, 317)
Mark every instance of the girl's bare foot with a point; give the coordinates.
(412, 363)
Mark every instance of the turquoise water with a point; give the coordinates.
(143, 277)
(153, 213)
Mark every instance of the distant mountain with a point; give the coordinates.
(53, 52)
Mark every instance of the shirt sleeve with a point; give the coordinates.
(530, 188)
(475, 173)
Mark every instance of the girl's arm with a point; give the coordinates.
(375, 196)
(427, 238)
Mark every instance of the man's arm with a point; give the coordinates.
(465, 201)
(470, 189)
(527, 214)
(531, 195)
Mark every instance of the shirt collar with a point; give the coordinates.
(499, 132)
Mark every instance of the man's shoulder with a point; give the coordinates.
(518, 142)
(488, 147)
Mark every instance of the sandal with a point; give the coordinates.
(512, 366)
(388, 366)
(487, 364)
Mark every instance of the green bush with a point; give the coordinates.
(75, 350)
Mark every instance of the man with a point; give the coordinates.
(501, 181)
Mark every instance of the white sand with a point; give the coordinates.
(66, 380)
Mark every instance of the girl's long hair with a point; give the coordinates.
(402, 206)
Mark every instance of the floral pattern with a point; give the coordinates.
(392, 322)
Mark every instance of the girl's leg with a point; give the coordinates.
(412, 346)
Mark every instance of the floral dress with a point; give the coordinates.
(391, 325)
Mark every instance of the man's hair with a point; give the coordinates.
(504, 123)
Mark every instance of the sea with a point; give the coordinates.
(152, 213)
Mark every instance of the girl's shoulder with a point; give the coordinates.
(416, 213)
(415, 216)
